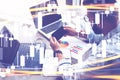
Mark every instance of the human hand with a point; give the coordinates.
(54, 44)
(70, 31)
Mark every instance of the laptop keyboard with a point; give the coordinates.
(52, 27)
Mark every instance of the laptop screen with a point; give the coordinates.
(51, 23)
(48, 23)
(48, 19)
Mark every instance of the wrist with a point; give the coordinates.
(57, 52)
(55, 49)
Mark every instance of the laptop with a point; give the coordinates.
(50, 23)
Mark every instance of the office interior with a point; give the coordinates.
(26, 54)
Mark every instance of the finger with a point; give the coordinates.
(67, 28)
(51, 39)
(59, 41)
(55, 40)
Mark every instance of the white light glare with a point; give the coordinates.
(97, 18)
(111, 8)
(107, 12)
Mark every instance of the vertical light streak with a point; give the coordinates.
(39, 20)
(94, 49)
(1, 53)
(22, 60)
(97, 18)
(41, 55)
(1, 40)
(104, 48)
(32, 49)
